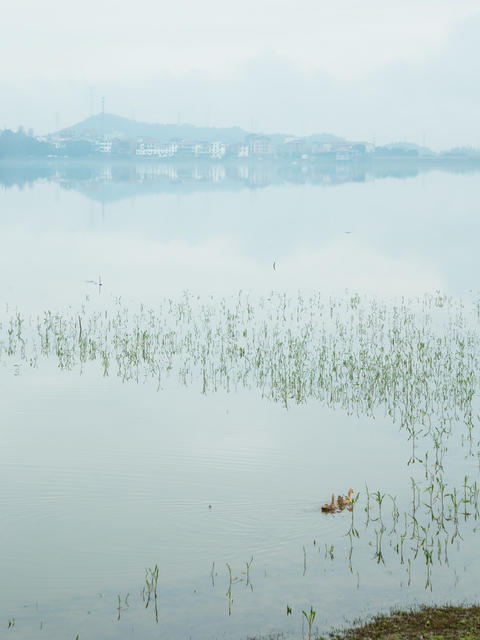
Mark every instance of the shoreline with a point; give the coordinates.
(442, 622)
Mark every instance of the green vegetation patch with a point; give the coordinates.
(427, 623)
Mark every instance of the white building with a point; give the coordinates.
(104, 146)
(201, 150)
(155, 149)
(344, 155)
(242, 151)
(217, 150)
(259, 145)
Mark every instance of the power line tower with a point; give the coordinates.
(91, 100)
(103, 117)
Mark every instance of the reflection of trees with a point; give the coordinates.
(21, 175)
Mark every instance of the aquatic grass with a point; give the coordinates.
(415, 362)
(418, 532)
(150, 589)
(309, 617)
(232, 580)
(229, 590)
(120, 606)
(430, 525)
(246, 573)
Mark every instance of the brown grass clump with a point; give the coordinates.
(426, 623)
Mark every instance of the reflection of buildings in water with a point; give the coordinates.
(179, 172)
(88, 178)
(259, 175)
(105, 175)
(336, 174)
(123, 173)
(349, 173)
(218, 173)
(152, 176)
(242, 172)
(323, 174)
(209, 173)
(296, 173)
(150, 172)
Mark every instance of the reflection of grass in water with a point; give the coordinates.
(422, 534)
(120, 606)
(149, 590)
(417, 361)
(232, 580)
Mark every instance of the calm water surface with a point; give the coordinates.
(102, 479)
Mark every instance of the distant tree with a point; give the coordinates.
(462, 151)
(20, 145)
(396, 152)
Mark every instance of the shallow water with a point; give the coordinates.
(101, 479)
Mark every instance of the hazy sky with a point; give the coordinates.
(373, 68)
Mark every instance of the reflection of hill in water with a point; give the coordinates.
(112, 181)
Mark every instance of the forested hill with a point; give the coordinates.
(112, 125)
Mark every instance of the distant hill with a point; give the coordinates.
(111, 125)
(409, 146)
(325, 138)
(279, 138)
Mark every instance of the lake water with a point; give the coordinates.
(164, 419)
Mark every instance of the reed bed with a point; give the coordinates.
(416, 362)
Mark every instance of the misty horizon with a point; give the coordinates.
(382, 73)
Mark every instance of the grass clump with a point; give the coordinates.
(427, 623)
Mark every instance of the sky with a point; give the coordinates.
(378, 70)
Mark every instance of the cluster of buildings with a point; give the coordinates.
(253, 146)
(150, 148)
